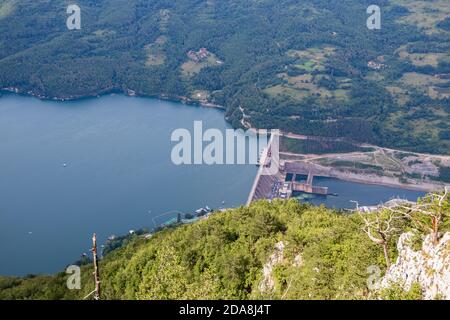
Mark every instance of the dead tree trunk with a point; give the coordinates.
(380, 228)
(96, 269)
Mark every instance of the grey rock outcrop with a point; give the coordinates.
(429, 267)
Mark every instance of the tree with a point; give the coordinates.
(430, 214)
(380, 227)
(165, 277)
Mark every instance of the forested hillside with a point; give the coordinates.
(278, 250)
(306, 66)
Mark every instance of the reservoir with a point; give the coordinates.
(347, 192)
(69, 169)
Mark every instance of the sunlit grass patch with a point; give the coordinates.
(434, 87)
(312, 59)
(155, 54)
(7, 7)
(305, 85)
(422, 59)
(425, 14)
(191, 68)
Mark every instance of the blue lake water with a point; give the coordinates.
(365, 194)
(118, 175)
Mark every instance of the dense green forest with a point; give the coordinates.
(299, 65)
(326, 255)
(319, 145)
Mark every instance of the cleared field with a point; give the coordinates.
(374, 76)
(428, 126)
(155, 59)
(399, 94)
(423, 59)
(307, 83)
(155, 53)
(201, 95)
(191, 68)
(312, 59)
(284, 90)
(6, 8)
(432, 86)
(302, 86)
(425, 14)
(310, 81)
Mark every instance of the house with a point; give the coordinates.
(375, 65)
(203, 53)
(198, 56)
(192, 55)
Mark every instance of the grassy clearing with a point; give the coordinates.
(425, 14)
(283, 90)
(307, 83)
(428, 84)
(191, 68)
(312, 62)
(201, 95)
(302, 86)
(419, 128)
(7, 8)
(155, 53)
(399, 94)
(312, 59)
(422, 59)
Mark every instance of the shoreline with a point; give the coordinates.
(357, 178)
(127, 92)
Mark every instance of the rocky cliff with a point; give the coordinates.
(428, 266)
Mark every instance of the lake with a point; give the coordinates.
(69, 169)
(347, 192)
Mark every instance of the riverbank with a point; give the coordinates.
(127, 92)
